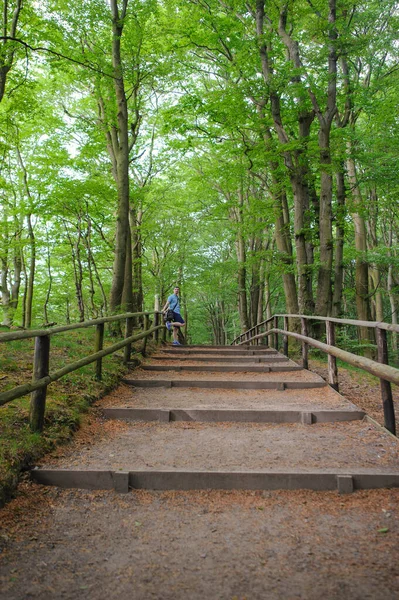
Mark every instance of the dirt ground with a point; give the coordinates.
(199, 545)
(213, 545)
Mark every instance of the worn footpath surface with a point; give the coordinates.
(227, 545)
(214, 545)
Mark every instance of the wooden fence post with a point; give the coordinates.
(146, 328)
(157, 308)
(386, 390)
(127, 351)
(40, 369)
(285, 339)
(332, 361)
(305, 347)
(99, 346)
(275, 325)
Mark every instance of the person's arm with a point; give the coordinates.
(166, 306)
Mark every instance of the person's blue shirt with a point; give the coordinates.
(174, 303)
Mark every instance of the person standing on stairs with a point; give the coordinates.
(173, 303)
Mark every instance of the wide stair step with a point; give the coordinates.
(182, 456)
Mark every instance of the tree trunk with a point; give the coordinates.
(339, 244)
(324, 292)
(362, 268)
(8, 46)
(121, 151)
(31, 275)
(137, 276)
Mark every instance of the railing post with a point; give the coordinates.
(99, 346)
(305, 347)
(386, 391)
(128, 332)
(146, 328)
(156, 323)
(157, 308)
(275, 325)
(332, 361)
(40, 369)
(285, 339)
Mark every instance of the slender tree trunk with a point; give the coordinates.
(32, 245)
(121, 151)
(50, 282)
(137, 279)
(324, 291)
(31, 276)
(127, 296)
(362, 267)
(339, 244)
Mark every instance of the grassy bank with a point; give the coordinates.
(67, 400)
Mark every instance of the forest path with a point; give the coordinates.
(267, 430)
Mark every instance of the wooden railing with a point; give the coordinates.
(41, 376)
(380, 367)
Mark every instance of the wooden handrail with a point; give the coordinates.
(38, 384)
(371, 366)
(380, 369)
(370, 324)
(41, 376)
(30, 333)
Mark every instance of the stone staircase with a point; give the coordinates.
(243, 417)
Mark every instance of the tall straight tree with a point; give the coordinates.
(119, 150)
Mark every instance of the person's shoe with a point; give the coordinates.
(168, 325)
(176, 343)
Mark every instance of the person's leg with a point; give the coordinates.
(176, 324)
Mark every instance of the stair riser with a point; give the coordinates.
(219, 480)
(232, 416)
(221, 369)
(182, 352)
(218, 359)
(233, 385)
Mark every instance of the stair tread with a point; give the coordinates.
(238, 447)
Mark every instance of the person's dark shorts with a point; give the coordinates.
(177, 318)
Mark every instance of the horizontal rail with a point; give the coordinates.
(38, 384)
(31, 333)
(371, 366)
(371, 324)
(252, 329)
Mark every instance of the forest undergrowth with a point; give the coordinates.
(67, 400)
